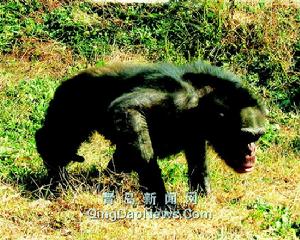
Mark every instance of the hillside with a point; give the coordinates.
(44, 42)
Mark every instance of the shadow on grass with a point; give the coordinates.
(35, 185)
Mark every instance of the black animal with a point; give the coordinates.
(152, 111)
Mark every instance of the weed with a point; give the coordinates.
(43, 42)
(276, 220)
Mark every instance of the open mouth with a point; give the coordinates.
(249, 160)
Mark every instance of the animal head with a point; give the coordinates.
(232, 118)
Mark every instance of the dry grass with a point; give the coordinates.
(248, 30)
(118, 56)
(249, 2)
(36, 59)
(49, 60)
(64, 217)
(272, 3)
(275, 180)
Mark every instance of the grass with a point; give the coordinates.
(44, 42)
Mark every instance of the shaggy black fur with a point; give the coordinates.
(152, 111)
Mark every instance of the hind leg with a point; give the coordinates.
(134, 147)
(120, 162)
(126, 160)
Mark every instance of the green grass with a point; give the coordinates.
(44, 42)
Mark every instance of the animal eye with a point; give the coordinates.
(221, 115)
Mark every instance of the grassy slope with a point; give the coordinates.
(258, 41)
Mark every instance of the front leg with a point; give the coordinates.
(195, 153)
(133, 141)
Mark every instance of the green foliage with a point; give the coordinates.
(23, 107)
(261, 42)
(177, 31)
(271, 137)
(85, 39)
(17, 21)
(296, 144)
(276, 220)
(172, 171)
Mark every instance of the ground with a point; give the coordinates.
(260, 205)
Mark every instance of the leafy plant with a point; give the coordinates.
(276, 220)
